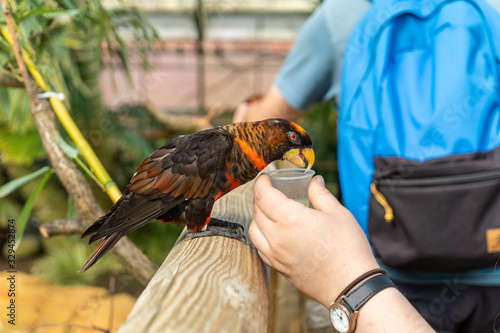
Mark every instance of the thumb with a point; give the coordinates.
(319, 196)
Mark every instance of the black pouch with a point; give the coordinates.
(438, 215)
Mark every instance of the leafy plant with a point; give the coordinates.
(64, 258)
(70, 41)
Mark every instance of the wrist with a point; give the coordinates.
(369, 316)
(340, 279)
(389, 311)
(345, 309)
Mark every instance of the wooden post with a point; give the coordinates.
(208, 284)
(200, 20)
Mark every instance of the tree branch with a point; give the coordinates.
(63, 227)
(17, 53)
(182, 123)
(72, 179)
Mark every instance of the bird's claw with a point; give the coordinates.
(221, 228)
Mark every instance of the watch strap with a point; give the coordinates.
(361, 278)
(366, 290)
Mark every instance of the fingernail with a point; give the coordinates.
(320, 180)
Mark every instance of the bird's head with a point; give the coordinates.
(284, 140)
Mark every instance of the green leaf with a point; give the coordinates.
(123, 54)
(67, 4)
(70, 151)
(28, 207)
(143, 19)
(13, 185)
(52, 13)
(72, 213)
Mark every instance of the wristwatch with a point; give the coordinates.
(344, 311)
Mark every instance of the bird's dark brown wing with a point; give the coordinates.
(183, 173)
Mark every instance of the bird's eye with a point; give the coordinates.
(293, 137)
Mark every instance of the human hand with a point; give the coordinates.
(319, 250)
(241, 112)
(270, 105)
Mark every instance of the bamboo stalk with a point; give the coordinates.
(70, 126)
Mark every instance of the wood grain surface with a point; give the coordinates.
(208, 284)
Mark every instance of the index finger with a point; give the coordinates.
(270, 201)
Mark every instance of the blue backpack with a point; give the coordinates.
(419, 133)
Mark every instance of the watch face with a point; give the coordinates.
(339, 318)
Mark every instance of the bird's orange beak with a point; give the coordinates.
(299, 156)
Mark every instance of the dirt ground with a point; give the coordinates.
(43, 307)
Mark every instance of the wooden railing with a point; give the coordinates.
(208, 284)
(219, 284)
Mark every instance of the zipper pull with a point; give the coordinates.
(389, 214)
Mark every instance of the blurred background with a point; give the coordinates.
(135, 74)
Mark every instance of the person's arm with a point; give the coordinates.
(307, 75)
(272, 105)
(323, 249)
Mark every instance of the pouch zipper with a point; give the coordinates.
(440, 181)
(423, 182)
(389, 214)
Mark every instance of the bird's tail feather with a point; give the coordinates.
(95, 226)
(105, 246)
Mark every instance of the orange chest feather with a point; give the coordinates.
(252, 155)
(234, 184)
